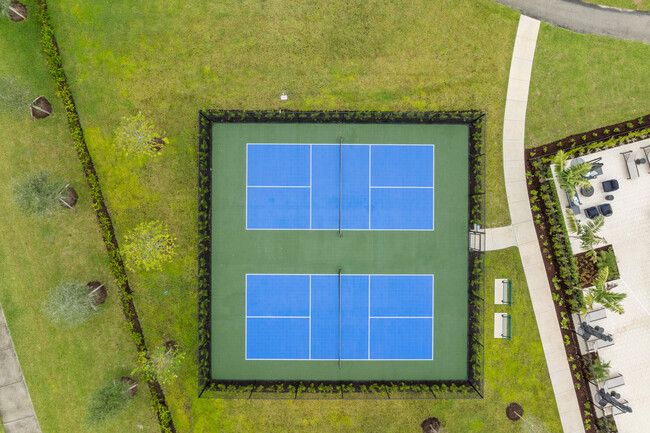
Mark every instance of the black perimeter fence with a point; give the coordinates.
(471, 388)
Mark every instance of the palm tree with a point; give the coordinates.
(600, 369)
(572, 176)
(586, 233)
(611, 301)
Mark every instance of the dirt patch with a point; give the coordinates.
(157, 143)
(99, 292)
(514, 411)
(69, 195)
(41, 108)
(133, 386)
(17, 11)
(430, 425)
(171, 345)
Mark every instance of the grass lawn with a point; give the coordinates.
(640, 5)
(168, 59)
(62, 366)
(580, 82)
(515, 371)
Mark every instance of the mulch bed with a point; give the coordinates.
(99, 297)
(587, 269)
(514, 411)
(430, 425)
(69, 196)
(41, 108)
(581, 384)
(133, 391)
(597, 134)
(18, 11)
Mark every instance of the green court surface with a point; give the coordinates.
(236, 251)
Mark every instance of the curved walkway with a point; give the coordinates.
(587, 18)
(523, 228)
(16, 409)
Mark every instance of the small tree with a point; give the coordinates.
(14, 96)
(600, 370)
(137, 134)
(108, 400)
(70, 303)
(162, 364)
(148, 246)
(586, 233)
(572, 176)
(598, 293)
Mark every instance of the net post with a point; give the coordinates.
(339, 318)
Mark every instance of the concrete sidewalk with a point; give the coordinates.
(16, 409)
(587, 18)
(522, 227)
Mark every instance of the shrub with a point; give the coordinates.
(14, 96)
(107, 401)
(69, 303)
(137, 134)
(162, 364)
(38, 194)
(606, 258)
(148, 246)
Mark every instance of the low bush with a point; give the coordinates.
(107, 401)
(69, 303)
(148, 246)
(38, 194)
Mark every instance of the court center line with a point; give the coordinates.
(368, 314)
(369, 206)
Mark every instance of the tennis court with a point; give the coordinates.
(339, 187)
(279, 194)
(339, 317)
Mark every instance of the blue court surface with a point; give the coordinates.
(359, 186)
(296, 317)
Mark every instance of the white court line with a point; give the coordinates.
(402, 187)
(369, 316)
(310, 317)
(335, 359)
(369, 184)
(400, 317)
(369, 208)
(245, 317)
(352, 275)
(277, 317)
(433, 192)
(279, 186)
(310, 189)
(433, 291)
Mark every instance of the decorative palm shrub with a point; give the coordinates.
(148, 246)
(586, 233)
(600, 294)
(572, 176)
(14, 96)
(39, 195)
(162, 364)
(69, 303)
(138, 135)
(107, 401)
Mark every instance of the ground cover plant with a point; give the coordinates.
(108, 400)
(581, 82)
(62, 367)
(70, 303)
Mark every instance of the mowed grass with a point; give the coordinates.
(168, 60)
(639, 5)
(62, 366)
(581, 82)
(515, 371)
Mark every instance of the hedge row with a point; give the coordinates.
(116, 265)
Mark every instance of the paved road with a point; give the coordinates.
(587, 18)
